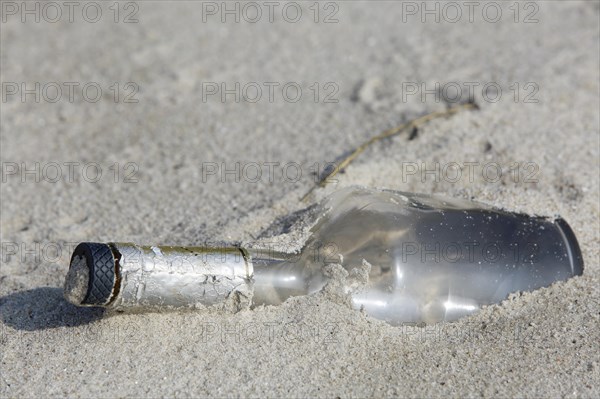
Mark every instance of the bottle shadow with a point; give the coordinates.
(43, 308)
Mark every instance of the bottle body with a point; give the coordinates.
(430, 259)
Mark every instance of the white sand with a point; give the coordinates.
(540, 344)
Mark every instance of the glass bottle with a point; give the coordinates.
(428, 259)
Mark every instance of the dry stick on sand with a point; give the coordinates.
(415, 123)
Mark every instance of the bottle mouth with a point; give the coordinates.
(92, 276)
(572, 246)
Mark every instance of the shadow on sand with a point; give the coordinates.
(43, 308)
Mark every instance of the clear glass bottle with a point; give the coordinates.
(428, 259)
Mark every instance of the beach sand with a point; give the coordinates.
(169, 160)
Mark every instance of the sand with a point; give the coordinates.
(170, 148)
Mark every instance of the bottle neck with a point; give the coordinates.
(277, 276)
(146, 277)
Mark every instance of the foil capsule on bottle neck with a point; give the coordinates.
(150, 277)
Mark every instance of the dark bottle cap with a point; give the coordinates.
(92, 276)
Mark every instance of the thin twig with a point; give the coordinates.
(415, 123)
